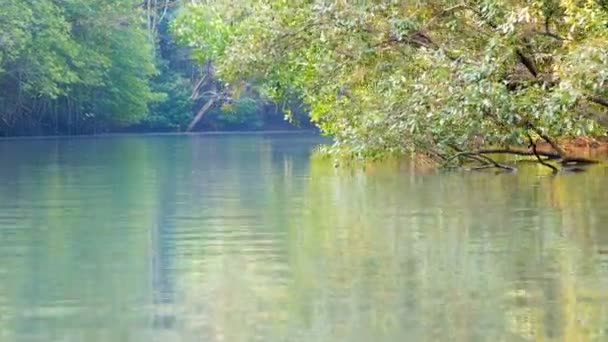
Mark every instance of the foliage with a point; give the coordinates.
(86, 66)
(72, 62)
(434, 76)
(174, 110)
(244, 111)
(244, 105)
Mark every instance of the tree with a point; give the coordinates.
(70, 66)
(443, 78)
(87, 66)
(239, 104)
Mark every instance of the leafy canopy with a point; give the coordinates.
(388, 77)
(73, 60)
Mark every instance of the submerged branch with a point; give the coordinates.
(482, 167)
(486, 161)
(518, 152)
(577, 160)
(548, 154)
(481, 157)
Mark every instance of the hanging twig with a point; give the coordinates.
(546, 138)
(165, 9)
(540, 160)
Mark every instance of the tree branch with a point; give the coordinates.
(517, 152)
(550, 141)
(540, 160)
(599, 100)
(550, 155)
(486, 161)
(200, 114)
(527, 62)
(443, 13)
(559, 152)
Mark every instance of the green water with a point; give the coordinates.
(245, 238)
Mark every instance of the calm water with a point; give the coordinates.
(245, 238)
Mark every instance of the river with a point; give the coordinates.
(248, 238)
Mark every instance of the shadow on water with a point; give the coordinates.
(245, 237)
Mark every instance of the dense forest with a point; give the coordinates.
(458, 81)
(93, 66)
(446, 79)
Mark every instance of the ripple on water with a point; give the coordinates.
(240, 239)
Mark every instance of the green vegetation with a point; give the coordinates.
(87, 66)
(72, 65)
(453, 80)
(443, 78)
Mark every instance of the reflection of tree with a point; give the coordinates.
(230, 222)
(581, 285)
(447, 257)
(79, 240)
(238, 239)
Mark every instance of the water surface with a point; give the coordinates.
(246, 238)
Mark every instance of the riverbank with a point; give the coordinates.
(168, 134)
(580, 146)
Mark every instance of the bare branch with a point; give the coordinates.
(550, 155)
(518, 152)
(546, 138)
(165, 10)
(485, 160)
(200, 114)
(527, 62)
(596, 99)
(540, 160)
(195, 91)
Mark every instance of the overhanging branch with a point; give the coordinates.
(540, 160)
(550, 141)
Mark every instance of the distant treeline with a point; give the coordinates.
(93, 66)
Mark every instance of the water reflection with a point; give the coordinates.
(245, 238)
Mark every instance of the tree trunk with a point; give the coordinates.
(200, 114)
